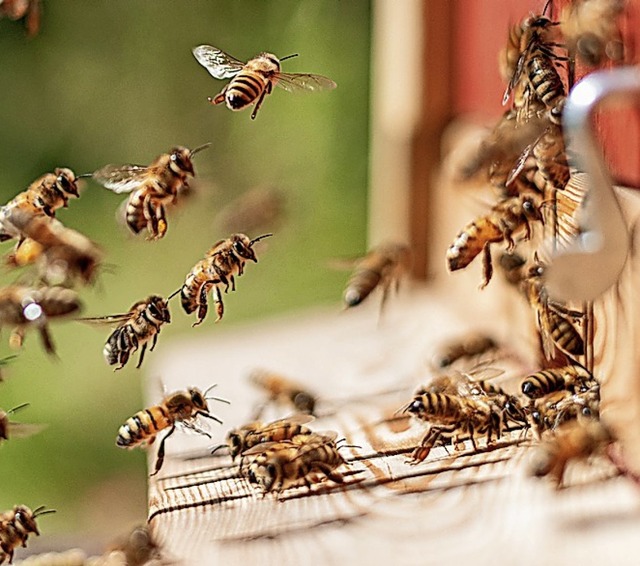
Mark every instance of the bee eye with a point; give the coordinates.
(271, 470)
(238, 246)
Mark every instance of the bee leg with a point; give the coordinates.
(155, 341)
(161, 221)
(47, 342)
(258, 104)
(427, 443)
(487, 266)
(203, 307)
(219, 98)
(144, 349)
(160, 456)
(209, 416)
(217, 301)
(16, 338)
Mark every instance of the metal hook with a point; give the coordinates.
(591, 264)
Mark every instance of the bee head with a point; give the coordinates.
(235, 443)
(198, 400)
(26, 518)
(530, 209)
(66, 182)
(267, 478)
(180, 161)
(514, 410)
(304, 402)
(158, 309)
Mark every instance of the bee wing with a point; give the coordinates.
(111, 319)
(121, 178)
(301, 82)
(219, 64)
(298, 419)
(264, 446)
(24, 430)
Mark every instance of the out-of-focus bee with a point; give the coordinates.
(3, 363)
(181, 408)
(62, 255)
(508, 216)
(27, 307)
(468, 346)
(138, 547)
(219, 267)
(152, 187)
(572, 441)
(43, 197)
(28, 9)
(283, 390)
(591, 31)
(382, 267)
(573, 378)
(535, 68)
(554, 409)
(252, 81)
(307, 459)
(16, 526)
(257, 210)
(239, 440)
(15, 430)
(135, 328)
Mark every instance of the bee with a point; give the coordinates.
(255, 210)
(468, 346)
(554, 409)
(307, 459)
(181, 408)
(135, 328)
(219, 267)
(62, 255)
(252, 81)
(28, 9)
(591, 32)
(282, 389)
(152, 187)
(27, 307)
(508, 216)
(138, 546)
(573, 378)
(239, 440)
(381, 267)
(572, 441)
(43, 197)
(16, 526)
(8, 427)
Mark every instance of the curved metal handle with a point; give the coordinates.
(587, 267)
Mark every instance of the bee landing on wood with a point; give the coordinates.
(222, 263)
(283, 390)
(135, 328)
(252, 81)
(152, 188)
(16, 526)
(181, 408)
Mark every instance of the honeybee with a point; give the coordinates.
(138, 546)
(135, 328)
(256, 210)
(469, 346)
(8, 427)
(43, 197)
(508, 216)
(573, 378)
(219, 267)
(284, 390)
(181, 408)
(276, 466)
(28, 9)
(27, 307)
(571, 441)
(591, 32)
(381, 267)
(152, 187)
(16, 526)
(62, 255)
(554, 409)
(239, 440)
(252, 81)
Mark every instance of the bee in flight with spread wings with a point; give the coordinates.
(253, 80)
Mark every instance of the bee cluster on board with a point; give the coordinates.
(523, 159)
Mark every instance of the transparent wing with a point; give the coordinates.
(298, 419)
(111, 319)
(219, 64)
(264, 446)
(304, 82)
(121, 178)
(24, 430)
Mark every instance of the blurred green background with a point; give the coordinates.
(114, 81)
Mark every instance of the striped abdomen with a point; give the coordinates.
(543, 382)
(143, 426)
(471, 241)
(243, 90)
(544, 79)
(439, 407)
(190, 291)
(564, 334)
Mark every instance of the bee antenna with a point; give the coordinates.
(259, 238)
(290, 56)
(218, 399)
(42, 511)
(84, 176)
(199, 148)
(218, 448)
(210, 386)
(547, 5)
(171, 297)
(11, 411)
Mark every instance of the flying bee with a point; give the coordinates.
(26, 307)
(138, 546)
(508, 216)
(62, 255)
(239, 440)
(43, 197)
(469, 346)
(283, 390)
(575, 440)
(591, 31)
(27, 9)
(258, 209)
(181, 408)
(152, 187)
(16, 526)
(381, 267)
(221, 264)
(252, 81)
(135, 328)
(306, 459)
(10, 428)
(573, 378)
